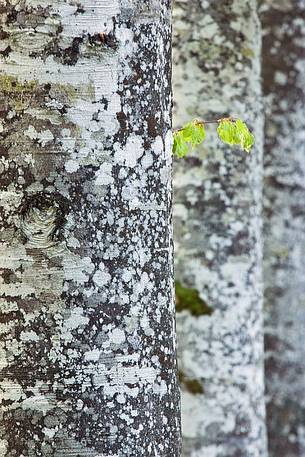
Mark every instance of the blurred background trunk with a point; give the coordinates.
(218, 221)
(284, 218)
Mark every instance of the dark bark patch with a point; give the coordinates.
(104, 39)
(79, 47)
(70, 55)
(80, 10)
(6, 52)
(3, 34)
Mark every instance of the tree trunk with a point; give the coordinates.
(87, 318)
(283, 72)
(218, 233)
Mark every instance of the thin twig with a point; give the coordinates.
(212, 121)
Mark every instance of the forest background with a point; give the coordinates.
(240, 229)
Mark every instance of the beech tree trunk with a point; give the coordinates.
(283, 72)
(87, 348)
(218, 203)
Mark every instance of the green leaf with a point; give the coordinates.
(227, 132)
(246, 139)
(236, 133)
(194, 133)
(180, 148)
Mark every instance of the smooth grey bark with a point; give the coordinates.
(218, 222)
(284, 218)
(87, 347)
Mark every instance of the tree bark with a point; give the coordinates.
(87, 346)
(284, 218)
(218, 202)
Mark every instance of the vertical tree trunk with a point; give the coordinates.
(283, 72)
(87, 349)
(218, 233)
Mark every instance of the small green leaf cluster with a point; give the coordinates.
(235, 133)
(191, 135)
(230, 131)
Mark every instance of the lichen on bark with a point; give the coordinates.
(87, 342)
(218, 200)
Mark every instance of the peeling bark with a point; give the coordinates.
(218, 202)
(87, 347)
(284, 219)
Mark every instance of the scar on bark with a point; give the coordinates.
(42, 219)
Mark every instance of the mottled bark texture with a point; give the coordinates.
(87, 317)
(218, 192)
(284, 217)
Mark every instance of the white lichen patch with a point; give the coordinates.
(29, 336)
(11, 391)
(104, 175)
(117, 336)
(43, 137)
(71, 166)
(77, 269)
(101, 277)
(3, 358)
(3, 446)
(37, 403)
(131, 153)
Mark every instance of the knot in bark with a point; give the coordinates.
(42, 218)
